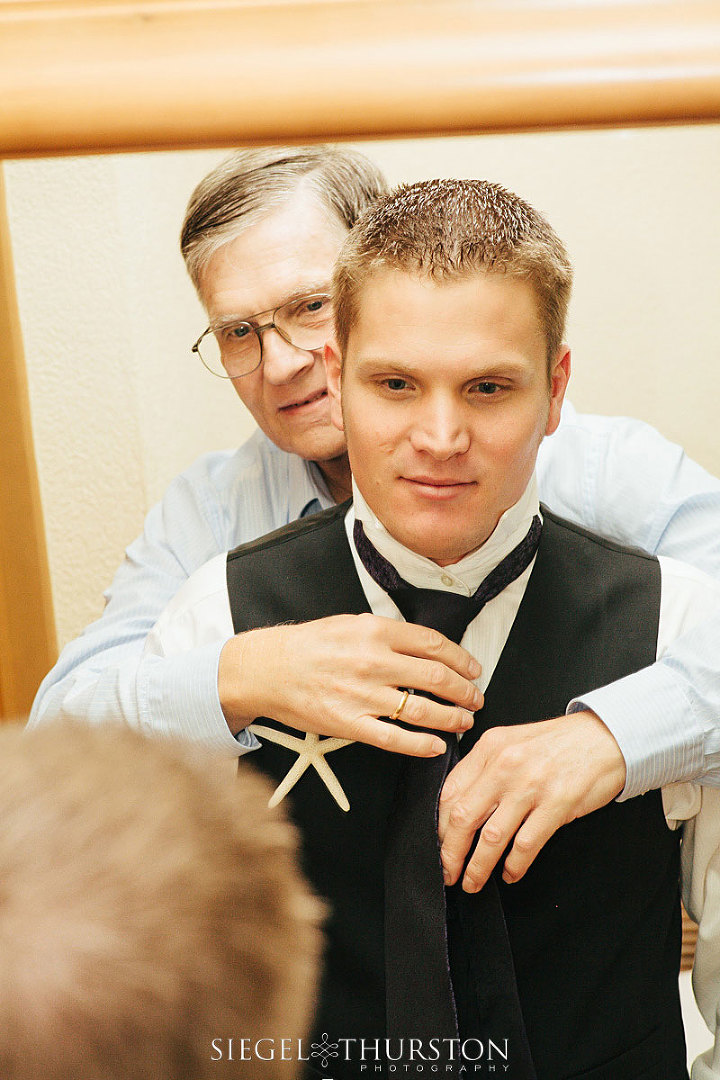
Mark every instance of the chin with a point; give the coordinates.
(324, 451)
(311, 447)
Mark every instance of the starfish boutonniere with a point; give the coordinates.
(311, 751)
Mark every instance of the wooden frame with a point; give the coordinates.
(27, 627)
(98, 75)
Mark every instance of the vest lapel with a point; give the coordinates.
(538, 673)
(305, 567)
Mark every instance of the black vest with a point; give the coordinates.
(595, 923)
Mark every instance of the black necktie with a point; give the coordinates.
(449, 967)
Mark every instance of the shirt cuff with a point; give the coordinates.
(179, 697)
(655, 727)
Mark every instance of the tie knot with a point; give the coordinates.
(448, 612)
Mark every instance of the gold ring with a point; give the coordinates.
(398, 712)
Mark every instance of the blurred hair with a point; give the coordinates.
(149, 903)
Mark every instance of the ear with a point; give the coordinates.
(559, 378)
(333, 370)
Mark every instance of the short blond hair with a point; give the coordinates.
(149, 903)
(446, 229)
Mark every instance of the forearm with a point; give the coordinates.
(171, 696)
(95, 677)
(624, 480)
(652, 721)
(666, 718)
(179, 696)
(99, 675)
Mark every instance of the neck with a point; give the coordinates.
(336, 473)
(417, 568)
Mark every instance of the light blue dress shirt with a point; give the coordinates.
(616, 476)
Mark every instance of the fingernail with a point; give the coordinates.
(470, 886)
(479, 700)
(467, 721)
(475, 668)
(507, 878)
(447, 878)
(438, 747)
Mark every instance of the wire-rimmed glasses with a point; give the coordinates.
(235, 349)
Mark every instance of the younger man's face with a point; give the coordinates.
(444, 400)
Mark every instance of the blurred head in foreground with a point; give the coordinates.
(149, 903)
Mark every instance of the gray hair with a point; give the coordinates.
(244, 187)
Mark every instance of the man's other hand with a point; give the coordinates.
(524, 782)
(339, 676)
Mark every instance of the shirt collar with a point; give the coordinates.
(464, 576)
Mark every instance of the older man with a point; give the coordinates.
(261, 235)
(449, 370)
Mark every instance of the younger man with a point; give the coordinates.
(448, 371)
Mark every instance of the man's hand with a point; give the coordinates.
(524, 782)
(338, 676)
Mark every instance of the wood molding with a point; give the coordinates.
(80, 76)
(28, 644)
(689, 941)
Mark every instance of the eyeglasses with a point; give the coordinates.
(236, 350)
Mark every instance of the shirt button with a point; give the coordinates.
(446, 579)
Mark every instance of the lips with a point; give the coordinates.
(438, 481)
(311, 399)
(437, 488)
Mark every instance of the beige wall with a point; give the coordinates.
(119, 405)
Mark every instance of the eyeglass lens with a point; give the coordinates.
(235, 350)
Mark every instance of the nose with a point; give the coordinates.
(283, 362)
(440, 429)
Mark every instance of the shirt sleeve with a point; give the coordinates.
(104, 676)
(622, 479)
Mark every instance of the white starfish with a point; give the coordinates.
(311, 751)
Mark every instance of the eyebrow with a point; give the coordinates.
(297, 294)
(496, 367)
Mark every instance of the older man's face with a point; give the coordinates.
(444, 400)
(289, 253)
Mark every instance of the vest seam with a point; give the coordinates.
(596, 538)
